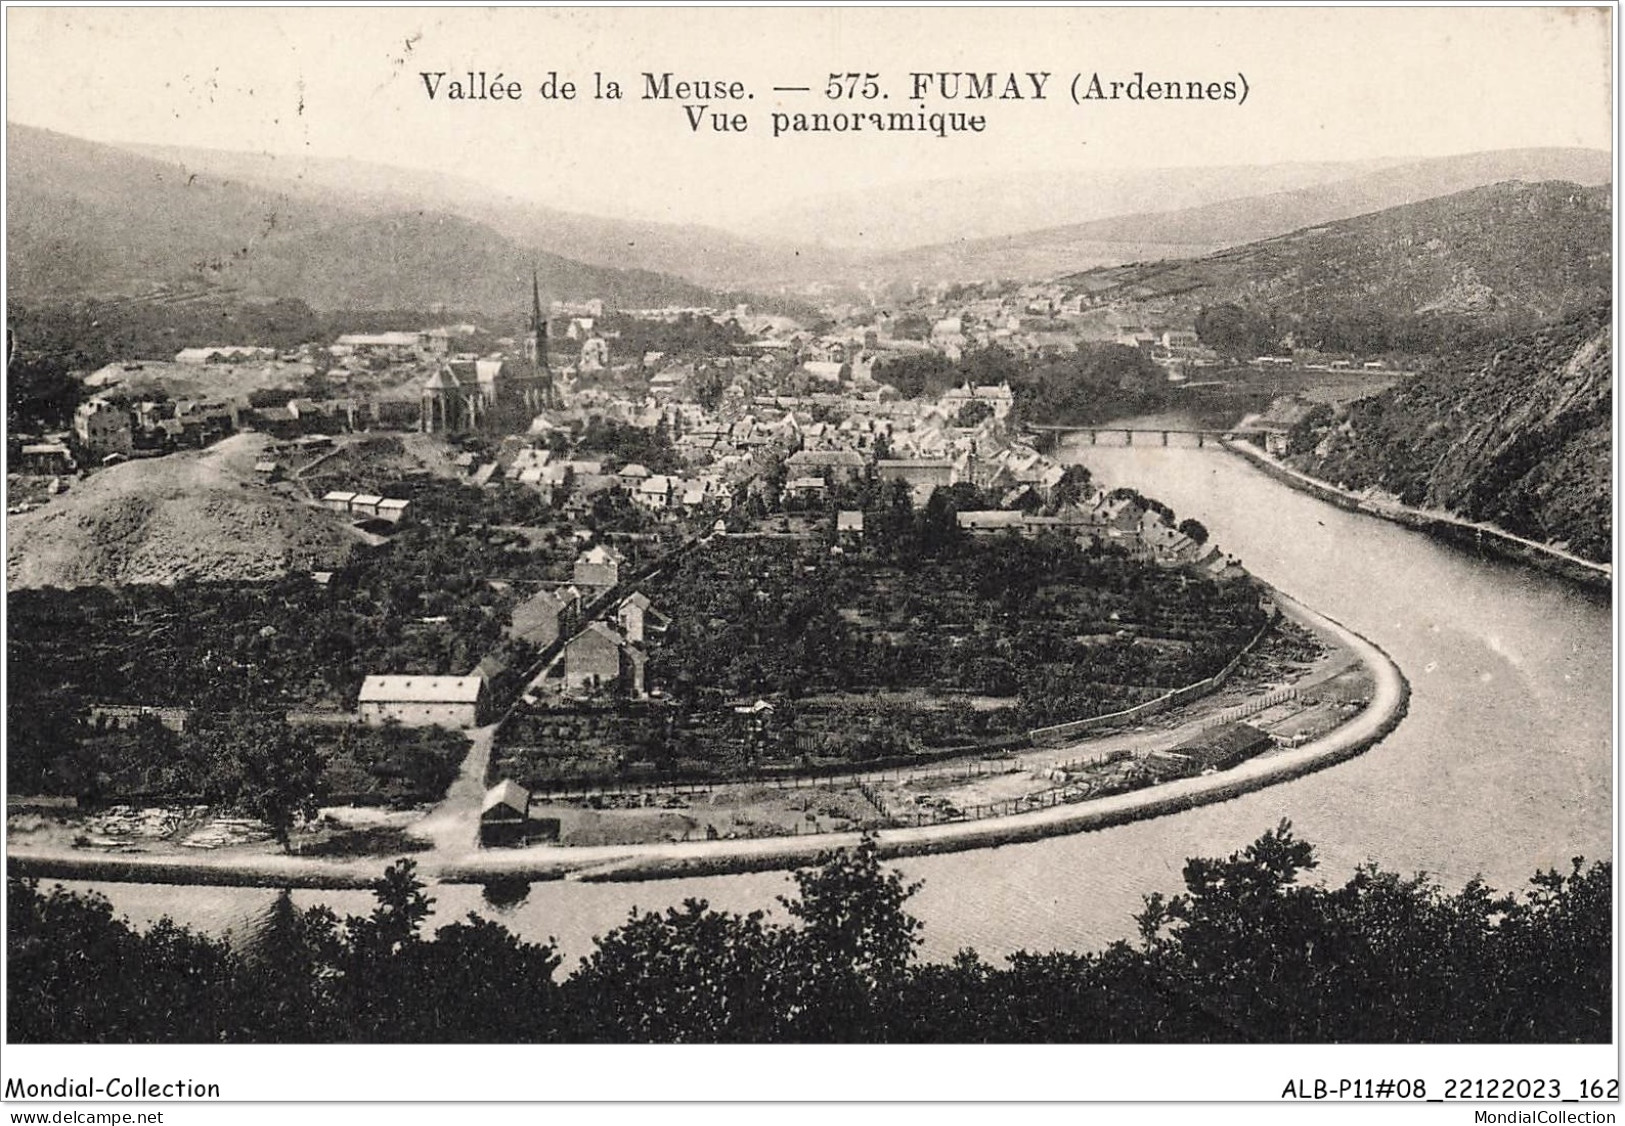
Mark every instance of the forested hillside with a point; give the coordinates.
(1421, 278)
(1518, 434)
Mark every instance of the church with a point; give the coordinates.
(493, 394)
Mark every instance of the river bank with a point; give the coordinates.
(685, 859)
(1483, 538)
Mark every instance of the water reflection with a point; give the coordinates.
(505, 895)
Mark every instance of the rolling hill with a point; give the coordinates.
(1195, 231)
(87, 219)
(706, 256)
(1509, 253)
(413, 260)
(895, 217)
(96, 219)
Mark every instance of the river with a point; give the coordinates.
(1502, 767)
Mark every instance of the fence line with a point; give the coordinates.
(960, 771)
(1251, 707)
(862, 779)
(1025, 803)
(1060, 733)
(1103, 759)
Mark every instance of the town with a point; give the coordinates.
(1119, 561)
(601, 490)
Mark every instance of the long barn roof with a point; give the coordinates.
(421, 689)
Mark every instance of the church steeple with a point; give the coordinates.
(538, 323)
(541, 395)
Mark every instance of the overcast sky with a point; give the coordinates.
(1326, 84)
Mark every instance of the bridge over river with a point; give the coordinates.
(1125, 435)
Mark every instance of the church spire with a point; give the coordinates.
(541, 395)
(537, 344)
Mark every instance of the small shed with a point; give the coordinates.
(47, 457)
(393, 509)
(1224, 747)
(503, 815)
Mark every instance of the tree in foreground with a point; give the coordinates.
(853, 949)
(1250, 951)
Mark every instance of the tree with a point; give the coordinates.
(1250, 951)
(1306, 432)
(854, 947)
(938, 525)
(400, 910)
(911, 326)
(773, 482)
(990, 366)
(973, 413)
(281, 777)
(40, 394)
(692, 975)
(708, 386)
(1072, 487)
(477, 983)
(1097, 382)
(1194, 528)
(1237, 333)
(924, 374)
(79, 975)
(288, 956)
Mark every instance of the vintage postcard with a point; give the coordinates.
(1076, 537)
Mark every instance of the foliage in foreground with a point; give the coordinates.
(1248, 952)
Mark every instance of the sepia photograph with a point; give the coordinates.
(911, 531)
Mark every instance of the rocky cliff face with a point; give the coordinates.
(1519, 435)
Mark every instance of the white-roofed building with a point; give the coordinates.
(393, 346)
(825, 371)
(504, 813)
(393, 509)
(655, 493)
(421, 701)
